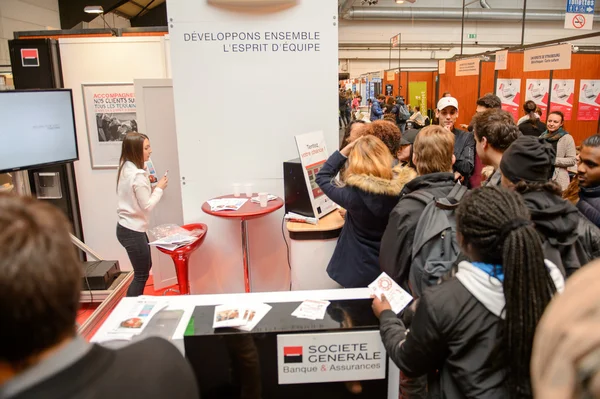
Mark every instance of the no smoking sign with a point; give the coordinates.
(579, 21)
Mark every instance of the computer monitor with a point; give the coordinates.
(37, 128)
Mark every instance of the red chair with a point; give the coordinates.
(181, 257)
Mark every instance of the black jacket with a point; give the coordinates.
(464, 151)
(395, 256)
(570, 241)
(530, 129)
(454, 338)
(589, 204)
(133, 371)
(369, 201)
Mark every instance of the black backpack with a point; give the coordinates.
(435, 247)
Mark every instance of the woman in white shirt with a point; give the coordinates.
(136, 200)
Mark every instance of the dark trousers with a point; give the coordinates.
(138, 250)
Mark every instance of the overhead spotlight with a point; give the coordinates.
(94, 9)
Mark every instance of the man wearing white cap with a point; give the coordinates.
(464, 143)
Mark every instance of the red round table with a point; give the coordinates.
(249, 210)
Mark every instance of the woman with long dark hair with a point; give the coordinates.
(564, 145)
(474, 332)
(136, 200)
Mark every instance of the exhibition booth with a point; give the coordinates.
(225, 132)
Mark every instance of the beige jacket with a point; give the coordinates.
(566, 158)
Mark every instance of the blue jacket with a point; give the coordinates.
(376, 111)
(368, 201)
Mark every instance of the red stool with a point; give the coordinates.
(181, 257)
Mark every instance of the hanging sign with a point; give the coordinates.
(313, 154)
(580, 14)
(328, 357)
(538, 91)
(589, 100)
(509, 91)
(442, 67)
(562, 97)
(501, 60)
(467, 67)
(548, 58)
(396, 40)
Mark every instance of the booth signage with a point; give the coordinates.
(396, 40)
(538, 91)
(562, 96)
(330, 357)
(30, 57)
(580, 14)
(509, 91)
(501, 60)
(110, 113)
(389, 90)
(442, 67)
(589, 100)
(548, 58)
(391, 75)
(467, 67)
(313, 154)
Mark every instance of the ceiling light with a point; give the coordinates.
(399, 1)
(94, 10)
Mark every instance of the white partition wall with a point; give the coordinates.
(246, 81)
(105, 60)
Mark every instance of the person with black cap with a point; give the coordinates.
(569, 239)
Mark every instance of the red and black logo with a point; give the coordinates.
(292, 354)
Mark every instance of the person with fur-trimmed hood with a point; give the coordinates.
(370, 191)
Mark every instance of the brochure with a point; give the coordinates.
(152, 176)
(310, 309)
(396, 296)
(226, 204)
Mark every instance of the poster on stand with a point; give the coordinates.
(562, 97)
(313, 154)
(509, 91)
(110, 114)
(538, 91)
(589, 100)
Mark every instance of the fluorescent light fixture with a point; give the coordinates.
(94, 9)
(399, 1)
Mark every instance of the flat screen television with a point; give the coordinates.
(37, 128)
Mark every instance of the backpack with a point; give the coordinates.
(403, 113)
(435, 247)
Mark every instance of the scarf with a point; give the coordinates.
(553, 138)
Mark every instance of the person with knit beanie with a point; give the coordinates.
(570, 240)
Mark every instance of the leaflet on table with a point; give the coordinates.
(395, 295)
(226, 204)
(256, 200)
(174, 241)
(311, 309)
(134, 319)
(242, 316)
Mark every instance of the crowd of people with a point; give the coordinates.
(484, 225)
(502, 269)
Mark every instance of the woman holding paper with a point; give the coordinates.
(369, 192)
(473, 333)
(136, 200)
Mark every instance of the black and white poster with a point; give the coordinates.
(110, 114)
